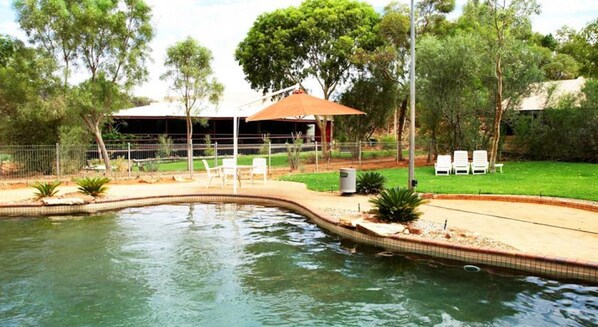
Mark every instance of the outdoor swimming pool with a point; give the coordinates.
(248, 265)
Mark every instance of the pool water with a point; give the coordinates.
(247, 265)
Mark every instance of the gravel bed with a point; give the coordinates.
(435, 231)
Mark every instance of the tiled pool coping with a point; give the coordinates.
(559, 268)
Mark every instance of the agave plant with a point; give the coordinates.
(397, 205)
(46, 189)
(93, 186)
(370, 183)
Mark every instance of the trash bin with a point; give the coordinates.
(348, 183)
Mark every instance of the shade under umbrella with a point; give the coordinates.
(300, 105)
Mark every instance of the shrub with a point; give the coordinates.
(265, 147)
(165, 146)
(370, 183)
(149, 167)
(397, 205)
(46, 189)
(93, 186)
(209, 151)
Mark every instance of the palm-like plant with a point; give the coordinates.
(93, 186)
(397, 205)
(46, 189)
(370, 183)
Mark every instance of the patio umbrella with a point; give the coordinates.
(300, 105)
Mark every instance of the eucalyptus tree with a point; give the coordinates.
(582, 46)
(315, 40)
(107, 41)
(502, 24)
(30, 108)
(188, 70)
(391, 57)
(449, 74)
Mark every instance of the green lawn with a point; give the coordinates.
(558, 179)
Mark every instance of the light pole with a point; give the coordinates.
(412, 183)
(236, 128)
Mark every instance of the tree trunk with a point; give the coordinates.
(497, 117)
(189, 123)
(94, 125)
(402, 116)
(322, 122)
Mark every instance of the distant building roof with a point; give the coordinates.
(157, 110)
(549, 93)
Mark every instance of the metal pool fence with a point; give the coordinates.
(132, 160)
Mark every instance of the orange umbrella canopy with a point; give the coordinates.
(299, 105)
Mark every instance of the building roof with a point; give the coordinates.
(161, 110)
(549, 93)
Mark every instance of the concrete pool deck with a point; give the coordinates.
(538, 229)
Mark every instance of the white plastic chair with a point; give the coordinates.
(460, 163)
(228, 169)
(443, 165)
(212, 172)
(259, 167)
(479, 163)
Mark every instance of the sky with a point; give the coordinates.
(221, 24)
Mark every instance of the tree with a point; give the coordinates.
(582, 46)
(188, 69)
(107, 40)
(392, 56)
(31, 108)
(501, 23)
(450, 74)
(316, 39)
(374, 95)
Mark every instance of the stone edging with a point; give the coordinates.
(536, 264)
(588, 206)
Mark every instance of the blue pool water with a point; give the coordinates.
(247, 265)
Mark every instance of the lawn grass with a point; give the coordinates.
(556, 179)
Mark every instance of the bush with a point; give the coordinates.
(209, 151)
(46, 189)
(149, 167)
(397, 205)
(93, 186)
(370, 183)
(165, 146)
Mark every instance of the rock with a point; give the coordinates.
(383, 230)
(149, 180)
(63, 202)
(179, 178)
(415, 230)
(406, 231)
(350, 221)
(447, 236)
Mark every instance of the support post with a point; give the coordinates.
(412, 182)
(58, 160)
(129, 157)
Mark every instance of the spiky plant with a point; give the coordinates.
(93, 186)
(46, 189)
(397, 205)
(370, 183)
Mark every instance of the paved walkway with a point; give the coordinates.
(532, 228)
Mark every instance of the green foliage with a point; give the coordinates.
(582, 47)
(265, 148)
(165, 146)
(374, 95)
(150, 166)
(46, 189)
(370, 182)
(294, 151)
(397, 205)
(209, 151)
(94, 186)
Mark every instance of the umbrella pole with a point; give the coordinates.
(412, 182)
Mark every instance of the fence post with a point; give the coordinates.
(359, 153)
(190, 158)
(269, 154)
(215, 154)
(129, 157)
(317, 157)
(58, 160)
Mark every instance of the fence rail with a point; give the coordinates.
(134, 159)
